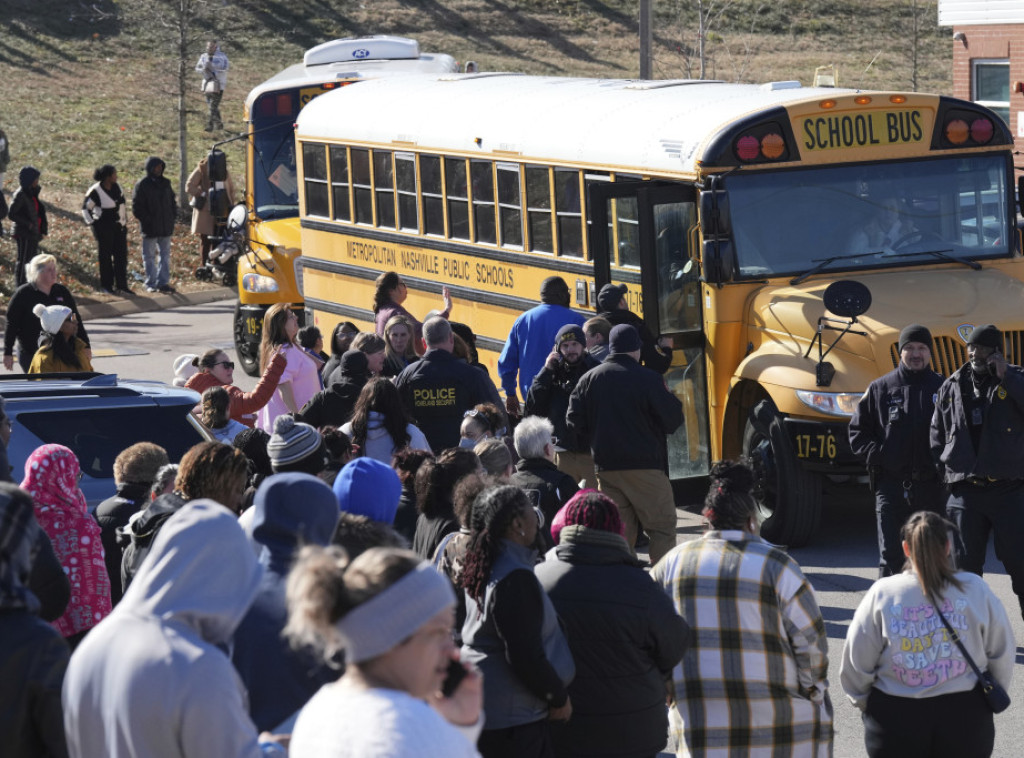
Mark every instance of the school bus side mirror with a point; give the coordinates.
(719, 261)
(714, 214)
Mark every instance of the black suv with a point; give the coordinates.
(97, 417)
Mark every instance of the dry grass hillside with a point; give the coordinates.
(87, 83)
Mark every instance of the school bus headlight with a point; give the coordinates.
(258, 283)
(832, 403)
(957, 131)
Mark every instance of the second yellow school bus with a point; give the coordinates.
(727, 209)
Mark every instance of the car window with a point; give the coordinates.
(97, 436)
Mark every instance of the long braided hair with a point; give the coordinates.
(493, 513)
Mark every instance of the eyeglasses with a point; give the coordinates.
(229, 365)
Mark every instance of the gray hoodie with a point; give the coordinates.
(150, 680)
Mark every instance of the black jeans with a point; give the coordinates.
(894, 503)
(959, 725)
(979, 510)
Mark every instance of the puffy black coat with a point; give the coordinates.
(1000, 453)
(890, 429)
(625, 637)
(626, 411)
(553, 488)
(137, 539)
(154, 203)
(113, 514)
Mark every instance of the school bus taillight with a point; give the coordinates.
(982, 130)
(772, 146)
(957, 131)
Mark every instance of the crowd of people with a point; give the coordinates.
(377, 556)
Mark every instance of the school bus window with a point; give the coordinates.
(567, 211)
(538, 208)
(627, 231)
(384, 183)
(340, 183)
(362, 190)
(405, 176)
(433, 195)
(482, 174)
(314, 164)
(510, 211)
(458, 200)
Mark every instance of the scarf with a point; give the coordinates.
(51, 477)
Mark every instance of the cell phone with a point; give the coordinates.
(992, 366)
(456, 673)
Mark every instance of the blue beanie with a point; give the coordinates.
(367, 487)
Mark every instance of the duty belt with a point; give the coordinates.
(987, 481)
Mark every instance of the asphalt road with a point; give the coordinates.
(841, 563)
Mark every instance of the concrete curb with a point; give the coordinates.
(93, 309)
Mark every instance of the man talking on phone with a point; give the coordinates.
(978, 439)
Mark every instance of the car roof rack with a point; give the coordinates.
(68, 376)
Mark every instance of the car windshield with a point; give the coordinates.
(870, 216)
(274, 182)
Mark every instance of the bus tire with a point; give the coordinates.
(788, 496)
(248, 354)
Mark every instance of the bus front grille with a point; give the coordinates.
(950, 353)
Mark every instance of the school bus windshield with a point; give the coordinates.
(870, 215)
(275, 189)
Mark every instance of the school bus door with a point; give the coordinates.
(652, 229)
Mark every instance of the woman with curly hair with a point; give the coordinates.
(398, 351)
(300, 379)
(435, 483)
(380, 426)
(512, 632)
(755, 679)
(51, 478)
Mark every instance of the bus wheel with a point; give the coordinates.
(248, 353)
(788, 496)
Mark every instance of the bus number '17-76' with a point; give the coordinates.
(816, 446)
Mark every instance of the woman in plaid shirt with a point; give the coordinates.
(753, 682)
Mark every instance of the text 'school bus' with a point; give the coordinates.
(267, 275)
(753, 224)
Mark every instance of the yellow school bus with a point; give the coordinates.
(782, 236)
(266, 275)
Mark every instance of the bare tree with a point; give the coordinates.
(182, 26)
(694, 44)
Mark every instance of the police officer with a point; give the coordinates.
(438, 389)
(890, 431)
(978, 435)
(549, 397)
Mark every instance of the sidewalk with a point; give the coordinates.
(144, 303)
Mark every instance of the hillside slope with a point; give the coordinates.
(87, 83)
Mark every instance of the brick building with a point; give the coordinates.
(988, 56)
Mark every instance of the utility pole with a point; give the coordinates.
(645, 39)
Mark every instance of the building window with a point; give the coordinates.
(990, 85)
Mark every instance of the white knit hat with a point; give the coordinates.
(52, 317)
(185, 368)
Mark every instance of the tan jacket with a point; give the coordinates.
(199, 184)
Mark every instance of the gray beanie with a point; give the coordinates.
(291, 441)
